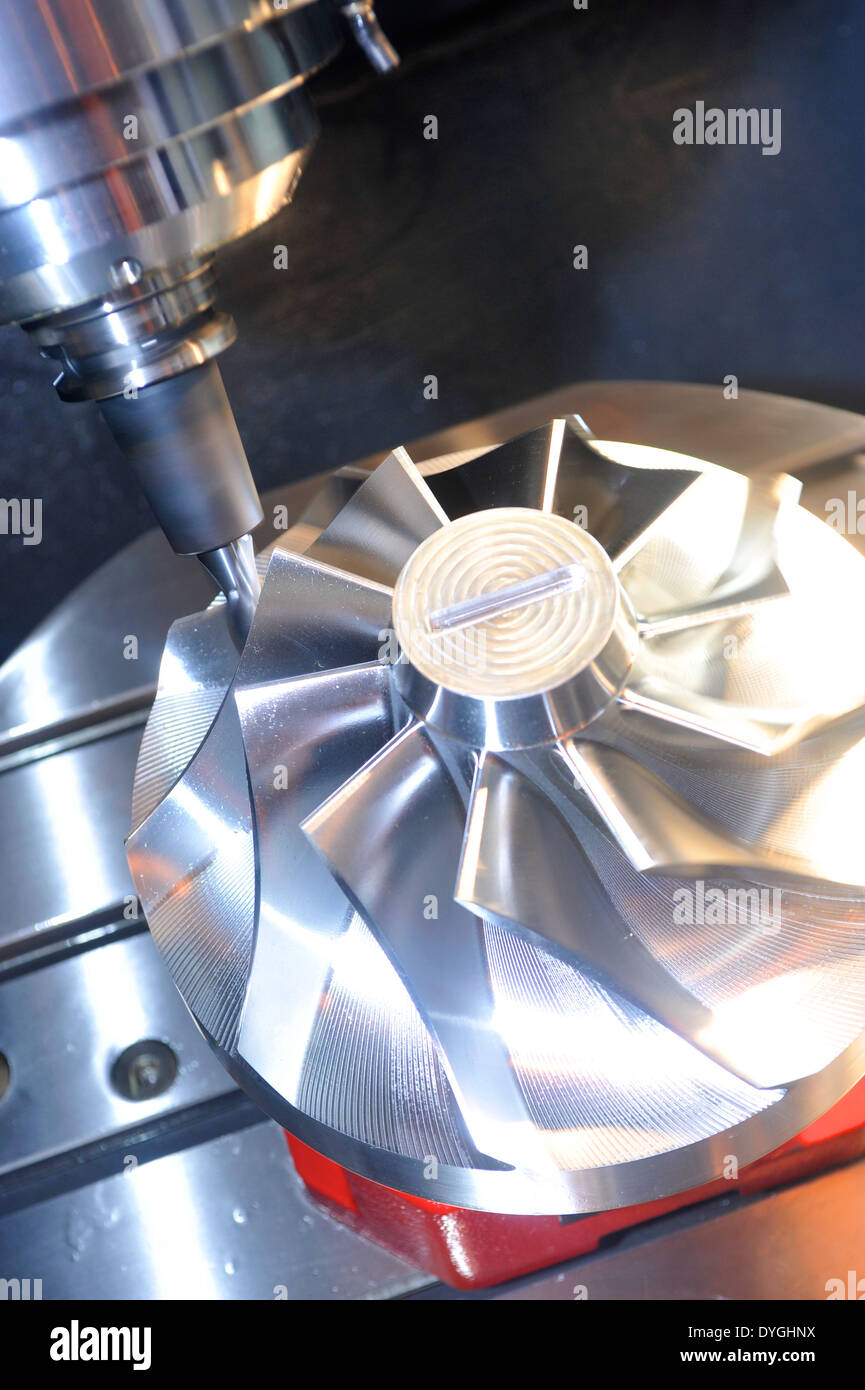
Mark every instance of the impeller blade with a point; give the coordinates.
(310, 617)
(370, 832)
(705, 716)
(513, 829)
(658, 830)
(728, 606)
(765, 678)
(337, 489)
(382, 523)
(192, 863)
(521, 473)
(712, 551)
(196, 669)
(767, 962)
(302, 737)
(736, 679)
(618, 502)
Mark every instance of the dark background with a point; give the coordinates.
(410, 257)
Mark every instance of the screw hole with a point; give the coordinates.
(144, 1070)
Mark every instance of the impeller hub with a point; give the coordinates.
(513, 628)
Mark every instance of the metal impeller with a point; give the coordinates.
(522, 836)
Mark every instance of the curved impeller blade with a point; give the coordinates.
(311, 617)
(555, 469)
(302, 738)
(196, 669)
(712, 553)
(522, 867)
(771, 674)
(768, 962)
(620, 503)
(656, 788)
(377, 529)
(755, 683)
(336, 489)
(662, 833)
(391, 836)
(521, 473)
(652, 693)
(192, 863)
(723, 604)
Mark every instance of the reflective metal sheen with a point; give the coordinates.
(527, 973)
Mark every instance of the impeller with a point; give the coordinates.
(523, 836)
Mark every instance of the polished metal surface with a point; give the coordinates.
(145, 586)
(499, 653)
(187, 125)
(369, 34)
(71, 680)
(227, 1219)
(46, 687)
(692, 983)
(77, 671)
(58, 49)
(73, 700)
(58, 250)
(802, 1243)
(63, 1026)
(186, 91)
(134, 141)
(74, 996)
(133, 137)
(378, 527)
(354, 710)
(233, 568)
(63, 820)
(99, 346)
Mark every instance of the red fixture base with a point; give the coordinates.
(472, 1249)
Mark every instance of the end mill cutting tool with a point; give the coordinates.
(135, 140)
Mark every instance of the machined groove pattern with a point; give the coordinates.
(482, 719)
